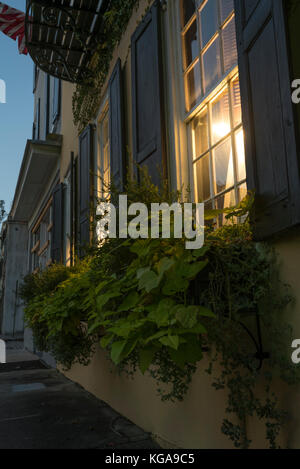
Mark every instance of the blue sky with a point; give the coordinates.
(16, 116)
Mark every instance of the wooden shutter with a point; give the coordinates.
(147, 96)
(116, 126)
(56, 100)
(57, 230)
(33, 131)
(47, 105)
(85, 186)
(35, 76)
(271, 154)
(38, 119)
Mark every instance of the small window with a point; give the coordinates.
(36, 128)
(41, 240)
(103, 154)
(208, 44)
(33, 131)
(38, 120)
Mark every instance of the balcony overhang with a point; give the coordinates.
(62, 35)
(39, 163)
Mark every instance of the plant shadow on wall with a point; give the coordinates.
(160, 309)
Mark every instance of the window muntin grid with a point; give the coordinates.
(217, 132)
(208, 44)
(218, 149)
(41, 241)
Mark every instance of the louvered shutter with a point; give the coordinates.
(271, 154)
(56, 106)
(147, 96)
(57, 230)
(116, 126)
(85, 186)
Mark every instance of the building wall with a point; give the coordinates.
(69, 133)
(196, 422)
(288, 251)
(68, 130)
(2, 267)
(293, 25)
(15, 269)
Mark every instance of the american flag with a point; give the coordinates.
(12, 23)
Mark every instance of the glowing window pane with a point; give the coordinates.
(200, 126)
(190, 45)
(203, 179)
(236, 102)
(220, 117)
(240, 154)
(223, 166)
(193, 86)
(229, 46)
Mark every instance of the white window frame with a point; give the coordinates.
(38, 250)
(178, 118)
(99, 153)
(67, 248)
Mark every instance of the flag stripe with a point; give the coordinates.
(12, 23)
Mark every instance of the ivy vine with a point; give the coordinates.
(87, 96)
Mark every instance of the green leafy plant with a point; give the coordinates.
(248, 298)
(56, 315)
(145, 310)
(159, 308)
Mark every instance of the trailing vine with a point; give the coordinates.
(158, 308)
(87, 96)
(57, 324)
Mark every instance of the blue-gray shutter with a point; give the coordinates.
(116, 128)
(85, 186)
(271, 153)
(47, 106)
(56, 106)
(57, 230)
(147, 96)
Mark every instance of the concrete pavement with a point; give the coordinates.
(41, 409)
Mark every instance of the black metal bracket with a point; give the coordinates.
(260, 355)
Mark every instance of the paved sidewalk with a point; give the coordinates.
(41, 409)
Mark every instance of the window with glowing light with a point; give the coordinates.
(41, 240)
(212, 101)
(103, 154)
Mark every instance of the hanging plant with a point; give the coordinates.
(87, 96)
